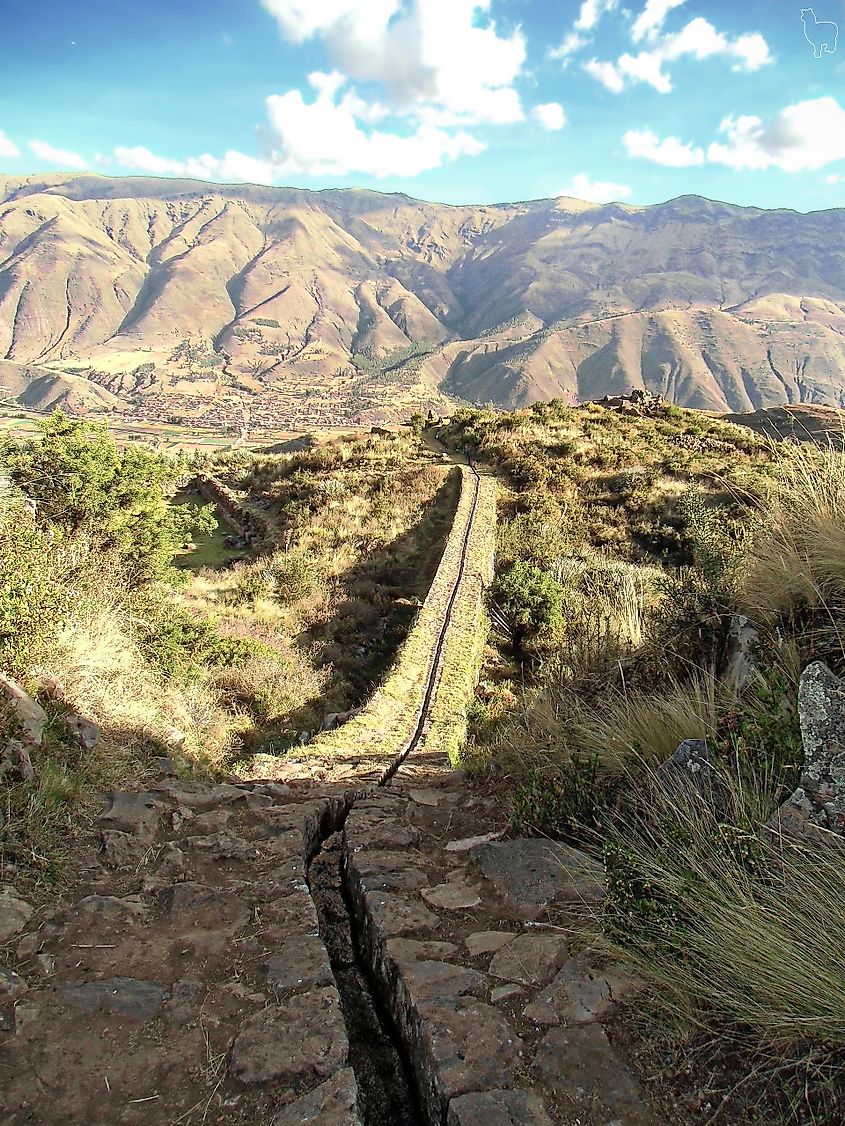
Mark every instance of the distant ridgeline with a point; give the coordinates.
(169, 300)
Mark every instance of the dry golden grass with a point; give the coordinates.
(646, 727)
(757, 928)
(797, 557)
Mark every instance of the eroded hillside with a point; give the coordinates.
(247, 306)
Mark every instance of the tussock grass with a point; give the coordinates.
(797, 557)
(752, 926)
(627, 727)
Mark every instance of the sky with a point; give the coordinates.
(458, 101)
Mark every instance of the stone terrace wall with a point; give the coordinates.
(252, 527)
(368, 744)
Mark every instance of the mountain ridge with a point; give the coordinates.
(239, 303)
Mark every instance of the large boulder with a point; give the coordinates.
(31, 717)
(819, 801)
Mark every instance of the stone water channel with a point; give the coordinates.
(352, 942)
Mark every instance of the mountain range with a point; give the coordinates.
(255, 306)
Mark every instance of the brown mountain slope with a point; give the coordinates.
(174, 298)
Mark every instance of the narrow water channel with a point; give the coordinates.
(387, 1094)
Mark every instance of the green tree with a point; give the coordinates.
(531, 599)
(30, 599)
(120, 500)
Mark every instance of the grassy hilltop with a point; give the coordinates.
(629, 546)
(210, 666)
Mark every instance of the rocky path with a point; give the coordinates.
(189, 981)
(356, 943)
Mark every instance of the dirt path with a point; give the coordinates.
(338, 947)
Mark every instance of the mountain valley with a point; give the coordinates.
(247, 308)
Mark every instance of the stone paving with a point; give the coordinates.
(501, 1017)
(187, 982)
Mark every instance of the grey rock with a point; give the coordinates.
(740, 667)
(200, 796)
(506, 993)
(531, 874)
(487, 942)
(428, 797)
(390, 870)
(30, 715)
(275, 789)
(14, 913)
(110, 907)
(131, 813)
(689, 771)
(580, 993)
(395, 916)
(16, 764)
(579, 1064)
(456, 896)
(184, 1000)
(333, 1103)
(406, 951)
(426, 979)
(530, 959)
(299, 1037)
(821, 711)
(223, 846)
(84, 731)
(12, 985)
(121, 850)
(468, 1046)
(125, 996)
(498, 1108)
(467, 843)
(301, 961)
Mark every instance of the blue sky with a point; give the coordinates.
(454, 100)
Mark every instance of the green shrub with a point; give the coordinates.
(82, 484)
(295, 576)
(531, 599)
(181, 645)
(31, 601)
(569, 802)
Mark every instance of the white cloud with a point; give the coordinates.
(550, 115)
(591, 12)
(647, 66)
(232, 166)
(139, 157)
(331, 135)
(434, 53)
(302, 19)
(607, 73)
(440, 67)
(834, 178)
(698, 39)
(7, 147)
(596, 191)
(804, 136)
(670, 152)
(571, 43)
(324, 138)
(51, 155)
(651, 18)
